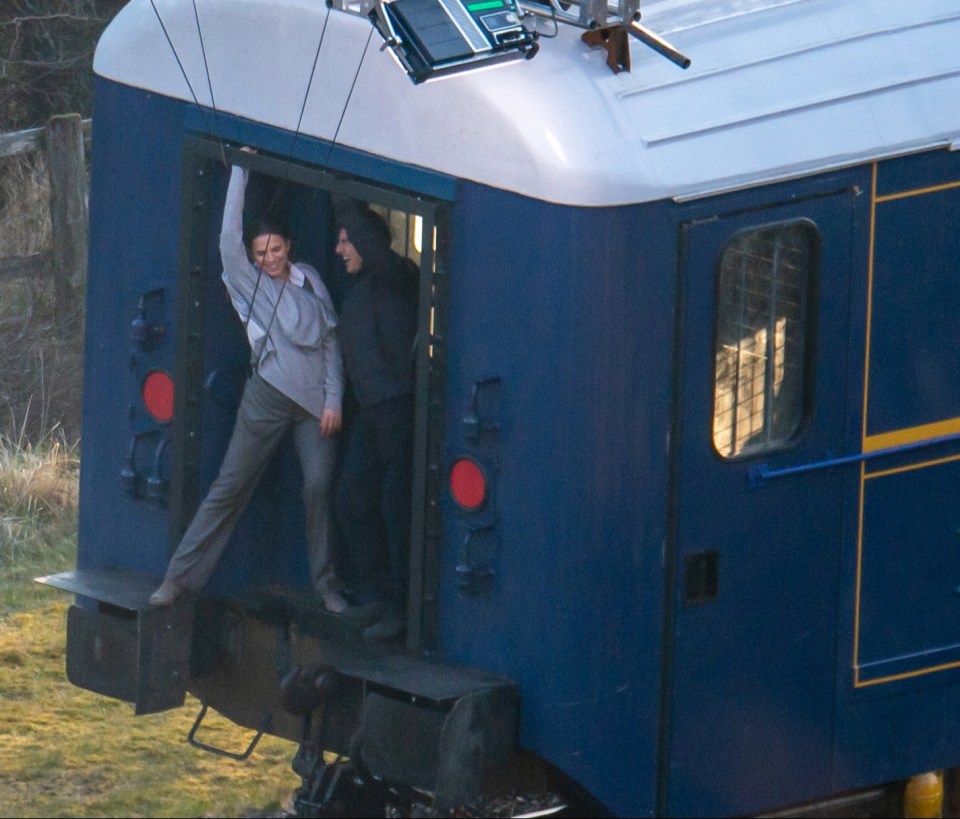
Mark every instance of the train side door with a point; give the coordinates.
(757, 561)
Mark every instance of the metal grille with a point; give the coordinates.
(468, 28)
(761, 338)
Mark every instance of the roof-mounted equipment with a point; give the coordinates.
(433, 38)
(609, 25)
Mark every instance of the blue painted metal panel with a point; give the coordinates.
(898, 667)
(910, 569)
(916, 299)
(893, 731)
(573, 311)
(133, 247)
(927, 169)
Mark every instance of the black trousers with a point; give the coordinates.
(373, 498)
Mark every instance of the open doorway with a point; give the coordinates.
(212, 355)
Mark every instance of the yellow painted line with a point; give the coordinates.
(872, 443)
(856, 607)
(911, 435)
(890, 197)
(869, 317)
(918, 672)
(893, 471)
(906, 675)
(863, 434)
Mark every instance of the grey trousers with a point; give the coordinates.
(263, 417)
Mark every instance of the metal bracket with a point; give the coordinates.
(616, 41)
(468, 576)
(472, 422)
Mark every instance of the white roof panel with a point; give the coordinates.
(776, 89)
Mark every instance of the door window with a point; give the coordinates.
(763, 291)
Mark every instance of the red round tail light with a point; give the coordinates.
(157, 392)
(468, 485)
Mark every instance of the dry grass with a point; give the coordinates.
(38, 482)
(38, 501)
(24, 212)
(42, 376)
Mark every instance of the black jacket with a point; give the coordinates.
(378, 327)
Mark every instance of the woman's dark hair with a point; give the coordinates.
(269, 224)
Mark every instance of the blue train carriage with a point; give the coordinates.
(688, 421)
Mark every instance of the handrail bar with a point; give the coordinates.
(759, 474)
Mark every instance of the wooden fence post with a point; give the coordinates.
(68, 210)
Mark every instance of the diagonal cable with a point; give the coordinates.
(206, 68)
(183, 71)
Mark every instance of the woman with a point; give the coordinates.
(296, 383)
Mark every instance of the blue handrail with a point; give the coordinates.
(758, 474)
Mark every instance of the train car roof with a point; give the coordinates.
(776, 89)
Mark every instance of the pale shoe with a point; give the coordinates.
(364, 615)
(166, 594)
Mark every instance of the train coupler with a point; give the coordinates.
(397, 732)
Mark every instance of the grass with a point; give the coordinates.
(65, 751)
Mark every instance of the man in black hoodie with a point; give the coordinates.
(377, 333)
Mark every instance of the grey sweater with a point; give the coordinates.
(290, 329)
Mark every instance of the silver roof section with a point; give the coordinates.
(776, 89)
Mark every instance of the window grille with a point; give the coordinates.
(761, 334)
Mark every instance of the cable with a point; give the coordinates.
(313, 71)
(183, 71)
(273, 315)
(346, 104)
(206, 69)
(285, 179)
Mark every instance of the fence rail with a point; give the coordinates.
(63, 140)
(25, 142)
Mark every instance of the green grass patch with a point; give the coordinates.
(68, 752)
